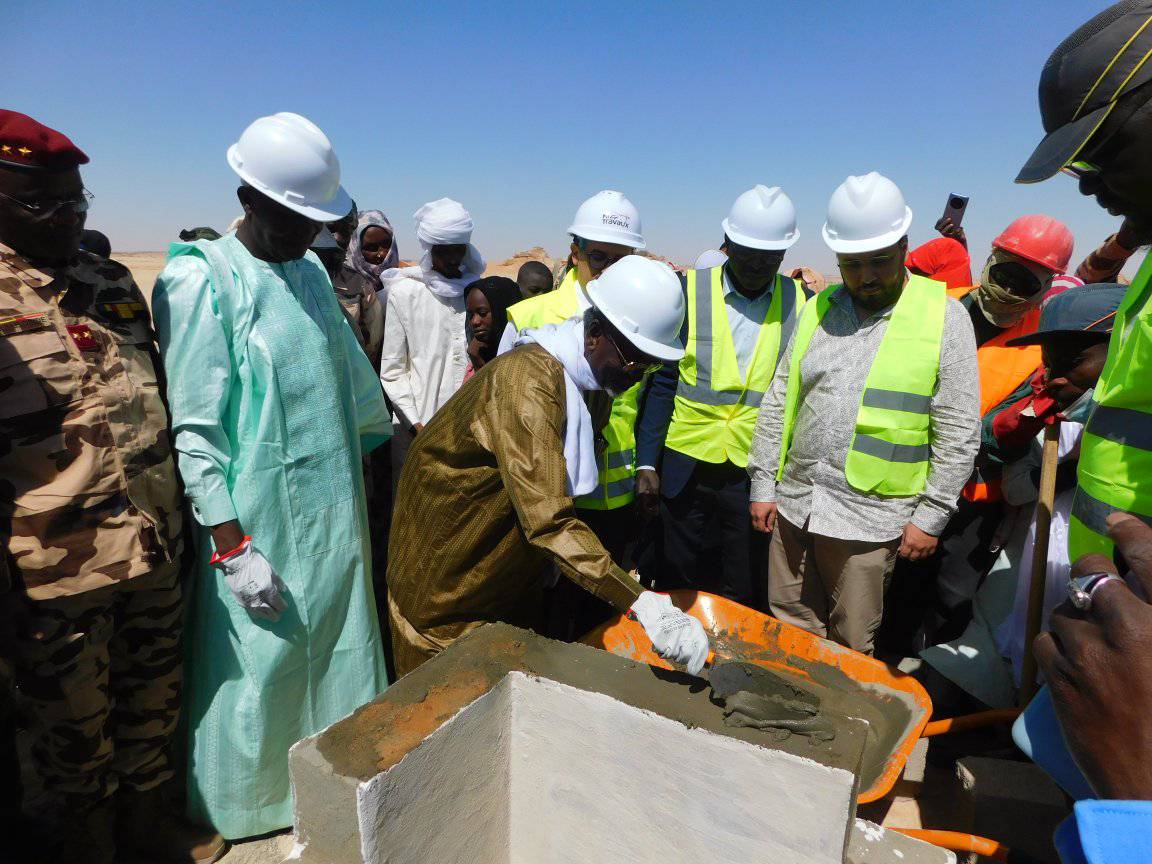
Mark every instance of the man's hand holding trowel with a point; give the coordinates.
(676, 635)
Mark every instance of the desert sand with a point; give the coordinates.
(146, 266)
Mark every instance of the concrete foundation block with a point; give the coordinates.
(512, 748)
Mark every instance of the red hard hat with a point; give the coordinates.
(1041, 239)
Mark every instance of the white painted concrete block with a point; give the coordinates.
(448, 799)
(536, 771)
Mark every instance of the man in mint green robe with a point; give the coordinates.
(273, 404)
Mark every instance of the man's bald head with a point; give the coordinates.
(534, 278)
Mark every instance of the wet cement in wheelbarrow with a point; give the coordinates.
(795, 682)
(761, 699)
(380, 733)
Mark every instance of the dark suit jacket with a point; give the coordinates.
(675, 468)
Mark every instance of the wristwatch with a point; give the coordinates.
(1081, 588)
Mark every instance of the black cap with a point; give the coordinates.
(1082, 80)
(1088, 309)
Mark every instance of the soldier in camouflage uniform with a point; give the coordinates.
(90, 522)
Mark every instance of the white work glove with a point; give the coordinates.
(253, 582)
(675, 635)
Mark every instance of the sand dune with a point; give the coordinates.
(145, 267)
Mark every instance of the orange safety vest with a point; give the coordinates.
(1002, 370)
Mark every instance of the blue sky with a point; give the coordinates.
(522, 110)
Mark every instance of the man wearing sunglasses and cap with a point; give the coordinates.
(91, 531)
(486, 498)
(1096, 104)
(606, 227)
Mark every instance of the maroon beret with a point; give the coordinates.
(25, 143)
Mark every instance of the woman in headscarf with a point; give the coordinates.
(487, 301)
(371, 251)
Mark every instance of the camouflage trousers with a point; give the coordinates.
(100, 683)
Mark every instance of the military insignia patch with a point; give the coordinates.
(82, 335)
(128, 310)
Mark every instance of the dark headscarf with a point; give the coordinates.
(501, 293)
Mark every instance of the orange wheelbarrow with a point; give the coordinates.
(743, 634)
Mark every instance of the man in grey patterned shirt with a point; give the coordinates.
(878, 432)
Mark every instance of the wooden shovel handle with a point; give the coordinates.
(1044, 503)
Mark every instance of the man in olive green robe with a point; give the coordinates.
(485, 499)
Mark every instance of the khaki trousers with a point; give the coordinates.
(833, 588)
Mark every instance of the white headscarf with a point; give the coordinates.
(565, 342)
(445, 222)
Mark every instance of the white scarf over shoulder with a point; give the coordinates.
(565, 342)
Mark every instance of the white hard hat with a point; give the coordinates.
(287, 157)
(609, 217)
(643, 299)
(762, 218)
(866, 213)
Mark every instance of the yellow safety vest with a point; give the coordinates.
(714, 412)
(892, 442)
(1115, 467)
(617, 481)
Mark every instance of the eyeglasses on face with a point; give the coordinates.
(634, 367)
(1079, 169)
(598, 258)
(46, 209)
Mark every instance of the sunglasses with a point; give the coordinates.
(633, 367)
(598, 258)
(48, 209)
(1080, 169)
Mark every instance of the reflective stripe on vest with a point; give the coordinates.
(891, 446)
(616, 483)
(1115, 466)
(714, 412)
